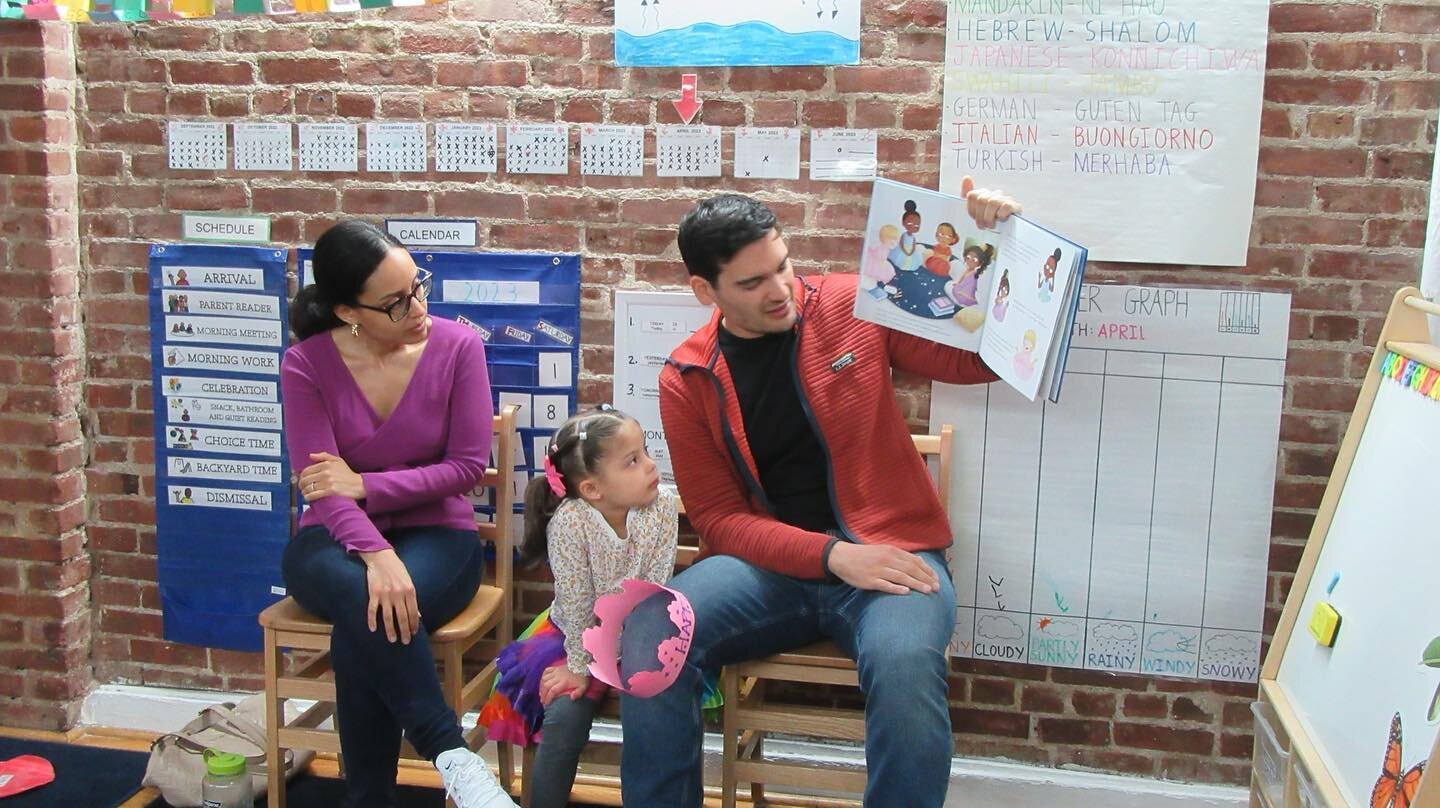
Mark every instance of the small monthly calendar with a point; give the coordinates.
(396, 146)
(767, 153)
(196, 146)
(687, 151)
(612, 151)
(465, 148)
(329, 147)
(537, 148)
(263, 147)
(837, 155)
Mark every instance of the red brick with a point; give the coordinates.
(452, 40)
(211, 72)
(1316, 90)
(1286, 55)
(1388, 131)
(285, 199)
(1164, 738)
(178, 36)
(774, 79)
(268, 40)
(481, 74)
(1073, 731)
(1403, 165)
(385, 201)
(1380, 56)
(289, 70)
(966, 720)
(1320, 17)
(389, 71)
(889, 80)
(1410, 18)
(540, 43)
(1309, 230)
(1403, 95)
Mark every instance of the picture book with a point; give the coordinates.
(1009, 294)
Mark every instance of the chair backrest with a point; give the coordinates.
(500, 530)
(938, 446)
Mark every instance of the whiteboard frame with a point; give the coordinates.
(1406, 332)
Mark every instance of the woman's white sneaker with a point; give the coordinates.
(468, 781)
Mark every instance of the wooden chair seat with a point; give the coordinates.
(820, 655)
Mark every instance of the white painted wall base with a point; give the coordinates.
(992, 784)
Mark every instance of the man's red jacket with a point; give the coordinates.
(879, 487)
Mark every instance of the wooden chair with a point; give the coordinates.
(749, 717)
(484, 625)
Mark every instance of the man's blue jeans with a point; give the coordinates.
(743, 612)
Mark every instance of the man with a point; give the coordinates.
(817, 516)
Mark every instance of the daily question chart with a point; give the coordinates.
(648, 326)
(1130, 126)
(217, 331)
(1126, 528)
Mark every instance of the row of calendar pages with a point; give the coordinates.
(528, 148)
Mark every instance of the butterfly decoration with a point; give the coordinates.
(1397, 786)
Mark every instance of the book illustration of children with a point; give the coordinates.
(875, 266)
(940, 256)
(967, 274)
(1025, 357)
(1002, 297)
(1047, 277)
(909, 254)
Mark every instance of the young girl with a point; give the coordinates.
(1002, 297)
(963, 289)
(940, 254)
(600, 517)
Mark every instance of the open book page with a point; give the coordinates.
(1030, 294)
(926, 268)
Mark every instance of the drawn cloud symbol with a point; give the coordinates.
(1115, 631)
(1058, 629)
(1230, 643)
(998, 627)
(1170, 642)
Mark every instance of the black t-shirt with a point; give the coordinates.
(793, 468)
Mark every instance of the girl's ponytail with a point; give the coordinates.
(540, 505)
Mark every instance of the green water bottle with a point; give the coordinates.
(226, 783)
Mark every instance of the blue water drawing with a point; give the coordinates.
(748, 44)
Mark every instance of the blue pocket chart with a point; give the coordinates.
(526, 307)
(217, 332)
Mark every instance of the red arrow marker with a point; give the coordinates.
(688, 105)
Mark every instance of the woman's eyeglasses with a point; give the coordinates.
(400, 309)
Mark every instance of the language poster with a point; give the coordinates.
(217, 331)
(1130, 126)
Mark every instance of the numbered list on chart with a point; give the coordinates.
(1126, 528)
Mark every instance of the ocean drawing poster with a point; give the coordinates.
(926, 269)
(739, 33)
(1032, 278)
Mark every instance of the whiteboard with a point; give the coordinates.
(1152, 107)
(1383, 544)
(648, 326)
(1126, 528)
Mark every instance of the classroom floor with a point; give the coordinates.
(412, 774)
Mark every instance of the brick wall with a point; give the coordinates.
(45, 628)
(1348, 130)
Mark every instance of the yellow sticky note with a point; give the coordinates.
(1324, 624)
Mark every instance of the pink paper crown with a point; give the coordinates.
(603, 639)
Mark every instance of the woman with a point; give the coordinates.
(388, 412)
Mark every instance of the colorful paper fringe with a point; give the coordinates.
(1412, 374)
(142, 10)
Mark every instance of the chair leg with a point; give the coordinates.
(527, 772)
(505, 755)
(757, 790)
(730, 734)
(274, 717)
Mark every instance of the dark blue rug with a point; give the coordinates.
(84, 775)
